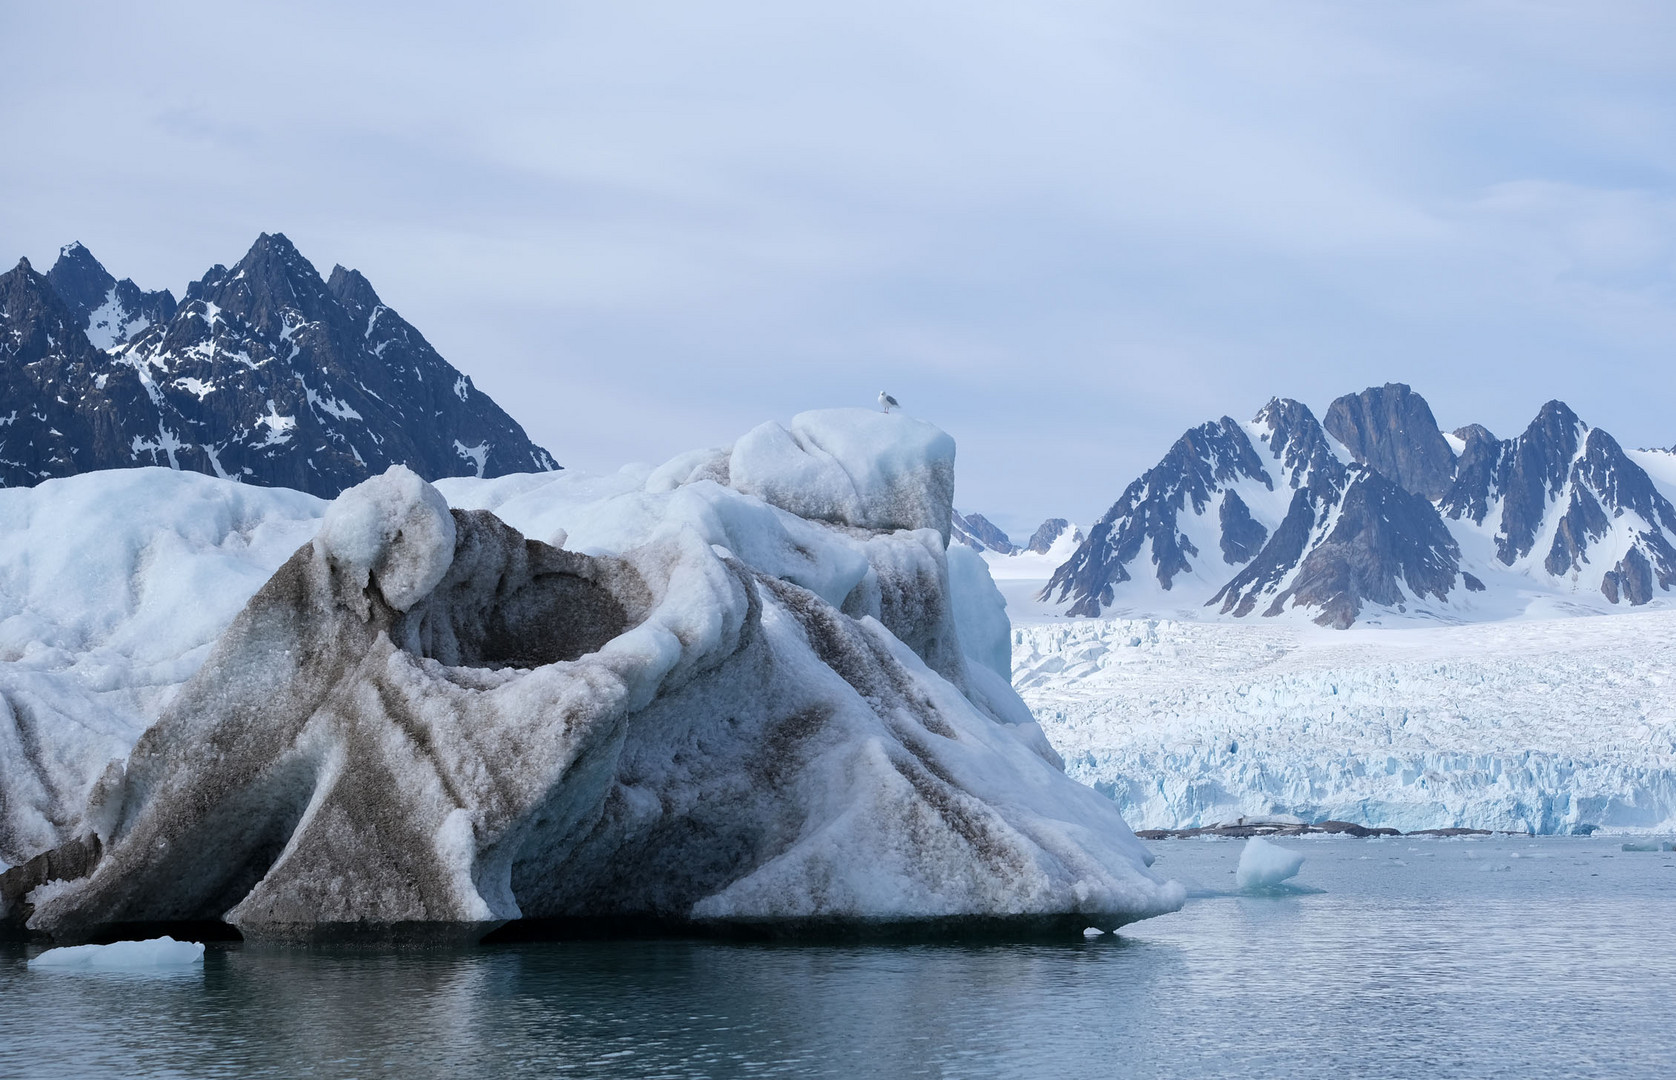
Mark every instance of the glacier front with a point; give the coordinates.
(1546, 725)
(745, 689)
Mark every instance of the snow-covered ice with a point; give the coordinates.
(162, 952)
(1264, 865)
(113, 585)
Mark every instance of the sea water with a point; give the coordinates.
(1491, 957)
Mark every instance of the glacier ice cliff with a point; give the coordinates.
(1551, 725)
(745, 689)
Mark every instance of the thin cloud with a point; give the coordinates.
(1066, 231)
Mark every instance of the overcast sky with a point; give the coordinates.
(1063, 231)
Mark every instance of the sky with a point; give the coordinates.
(1063, 231)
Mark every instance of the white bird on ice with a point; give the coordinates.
(887, 403)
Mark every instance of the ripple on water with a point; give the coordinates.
(1423, 965)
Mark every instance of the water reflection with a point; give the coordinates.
(1424, 967)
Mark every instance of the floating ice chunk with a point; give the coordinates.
(1264, 865)
(395, 528)
(1636, 846)
(1092, 932)
(163, 952)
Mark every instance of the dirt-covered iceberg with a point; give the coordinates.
(745, 689)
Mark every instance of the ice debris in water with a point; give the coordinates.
(1264, 865)
(1092, 932)
(163, 952)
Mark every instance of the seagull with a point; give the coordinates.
(887, 403)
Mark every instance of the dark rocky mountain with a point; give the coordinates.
(56, 417)
(264, 372)
(980, 534)
(1194, 473)
(111, 311)
(1390, 429)
(1046, 533)
(1372, 510)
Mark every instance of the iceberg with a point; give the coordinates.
(744, 691)
(162, 952)
(1263, 865)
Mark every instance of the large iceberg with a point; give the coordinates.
(740, 690)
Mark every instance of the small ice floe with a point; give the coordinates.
(163, 952)
(1264, 866)
(1643, 846)
(1092, 932)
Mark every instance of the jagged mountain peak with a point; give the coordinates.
(111, 312)
(980, 534)
(273, 280)
(41, 325)
(1471, 433)
(1296, 439)
(43, 353)
(1391, 430)
(352, 289)
(1202, 467)
(1378, 513)
(1046, 533)
(262, 374)
(79, 279)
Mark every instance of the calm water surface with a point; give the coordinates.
(1419, 958)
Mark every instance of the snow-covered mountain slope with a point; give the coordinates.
(984, 536)
(980, 534)
(1661, 468)
(1375, 516)
(264, 373)
(1541, 724)
(750, 686)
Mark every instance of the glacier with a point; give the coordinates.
(749, 688)
(1552, 723)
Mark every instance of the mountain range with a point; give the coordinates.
(1376, 508)
(980, 534)
(271, 374)
(265, 372)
